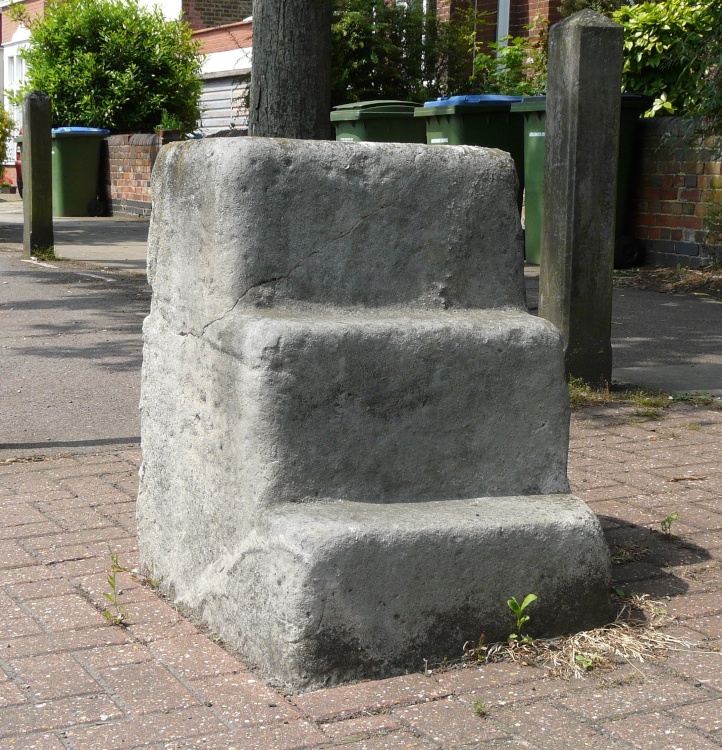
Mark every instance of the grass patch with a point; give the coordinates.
(698, 399)
(649, 403)
(44, 253)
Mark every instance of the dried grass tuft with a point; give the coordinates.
(636, 635)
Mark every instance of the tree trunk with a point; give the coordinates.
(290, 74)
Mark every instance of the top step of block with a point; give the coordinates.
(274, 222)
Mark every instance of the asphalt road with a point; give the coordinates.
(70, 357)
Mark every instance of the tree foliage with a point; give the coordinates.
(664, 52)
(113, 64)
(516, 65)
(708, 83)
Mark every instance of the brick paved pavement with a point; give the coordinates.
(70, 679)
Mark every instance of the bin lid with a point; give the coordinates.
(539, 103)
(76, 130)
(467, 103)
(530, 104)
(473, 99)
(373, 109)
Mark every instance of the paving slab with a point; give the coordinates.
(71, 679)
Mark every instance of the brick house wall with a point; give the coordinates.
(9, 27)
(676, 180)
(203, 14)
(521, 14)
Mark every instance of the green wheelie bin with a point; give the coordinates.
(76, 170)
(628, 251)
(477, 120)
(386, 121)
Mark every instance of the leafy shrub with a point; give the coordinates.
(662, 43)
(113, 64)
(385, 50)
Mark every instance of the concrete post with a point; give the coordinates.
(37, 173)
(580, 177)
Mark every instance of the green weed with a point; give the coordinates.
(649, 403)
(521, 617)
(117, 615)
(666, 523)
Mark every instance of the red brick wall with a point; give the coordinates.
(675, 183)
(127, 165)
(523, 13)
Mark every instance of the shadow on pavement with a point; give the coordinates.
(651, 556)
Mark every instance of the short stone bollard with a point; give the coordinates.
(354, 436)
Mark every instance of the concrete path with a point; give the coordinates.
(106, 242)
(69, 458)
(667, 342)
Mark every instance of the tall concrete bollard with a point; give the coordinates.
(580, 177)
(354, 435)
(37, 173)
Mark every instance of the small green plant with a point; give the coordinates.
(479, 708)
(170, 122)
(649, 403)
(149, 578)
(587, 661)
(522, 618)
(666, 523)
(117, 615)
(7, 125)
(479, 650)
(646, 415)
